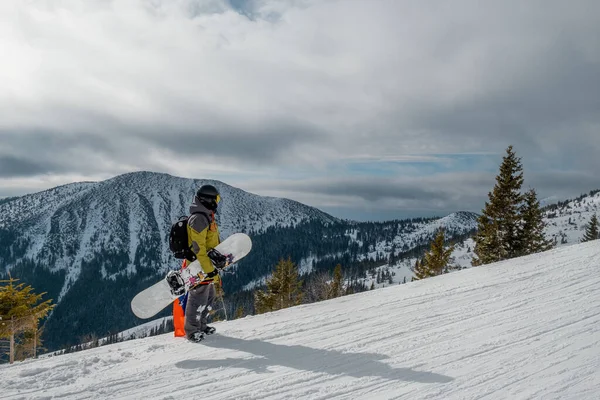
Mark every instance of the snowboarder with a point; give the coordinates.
(203, 235)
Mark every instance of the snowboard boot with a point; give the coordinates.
(209, 330)
(196, 337)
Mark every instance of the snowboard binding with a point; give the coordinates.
(219, 260)
(176, 283)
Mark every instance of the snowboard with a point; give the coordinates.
(152, 300)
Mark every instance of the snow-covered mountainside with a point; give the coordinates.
(566, 220)
(421, 233)
(76, 221)
(383, 246)
(522, 328)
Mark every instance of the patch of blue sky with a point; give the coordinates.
(242, 6)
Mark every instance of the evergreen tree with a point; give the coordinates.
(533, 238)
(283, 289)
(336, 289)
(421, 270)
(591, 230)
(392, 258)
(438, 257)
(499, 237)
(20, 312)
(239, 313)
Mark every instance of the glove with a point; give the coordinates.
(212, 277)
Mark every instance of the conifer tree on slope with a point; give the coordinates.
(533, 239)
(336, 289)
(591, 230)
(436, 260)
(283, 289)
(438, 257)
(421, 270)
(498, 237)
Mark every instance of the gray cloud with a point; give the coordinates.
(52, 152)
(11, 166)
(386, 198)
(266, 143)
(452, 191)
(310, 85)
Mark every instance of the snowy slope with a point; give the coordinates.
(566, 221)
(523, 328)
(421, 233)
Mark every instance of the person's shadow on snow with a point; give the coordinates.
(331, 362)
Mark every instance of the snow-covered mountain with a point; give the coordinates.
(131, 213)
(522, 328)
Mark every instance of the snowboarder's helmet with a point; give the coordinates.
(209, 196)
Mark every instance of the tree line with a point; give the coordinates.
(511, 225)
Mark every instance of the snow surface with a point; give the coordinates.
(567, 223)
(527, 328)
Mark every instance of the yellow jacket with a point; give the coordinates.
(203, 234)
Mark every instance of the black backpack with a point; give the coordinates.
(178, 240)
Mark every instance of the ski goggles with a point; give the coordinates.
(218, 199)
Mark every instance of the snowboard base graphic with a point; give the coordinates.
(152, 300)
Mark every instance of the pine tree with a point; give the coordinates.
(499, 237)
(20, 312)
(336, 289)
(392, 258)
(533, 238)
(239, 313)
(283, 289)
(421, 270)
(591, 230)
(438, 258)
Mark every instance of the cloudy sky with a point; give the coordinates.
(367, 109)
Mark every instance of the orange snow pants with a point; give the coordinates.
(178, 313)
(178, 318)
